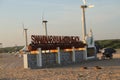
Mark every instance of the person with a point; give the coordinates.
(97, 48)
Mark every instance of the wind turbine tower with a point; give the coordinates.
(26, 40)
(45, 25)
(25, 34)
(84, 6)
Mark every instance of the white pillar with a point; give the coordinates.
(85, 54)
(95, 52)
(39, 58)
(25, 59)
(58, 55)
(73, 54)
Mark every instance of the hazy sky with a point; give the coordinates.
(64, 18)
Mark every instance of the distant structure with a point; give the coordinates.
(1, 45)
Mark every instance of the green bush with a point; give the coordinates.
(108, 43)
(10, 49)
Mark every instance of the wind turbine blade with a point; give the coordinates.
(42, 20)
(42, 17)
(90, 6)
(84, 2)
(23, 28)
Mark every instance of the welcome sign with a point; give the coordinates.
(52, 42)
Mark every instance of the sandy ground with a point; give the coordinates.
(11, 68)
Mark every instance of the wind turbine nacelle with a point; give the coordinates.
(84, 6)
(44, 21)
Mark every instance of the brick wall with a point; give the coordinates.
(50, 59)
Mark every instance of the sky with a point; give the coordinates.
(64, 19)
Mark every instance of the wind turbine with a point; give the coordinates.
(84, 6)
(44, 22)
(26, 39)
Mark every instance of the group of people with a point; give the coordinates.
(107, 53)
